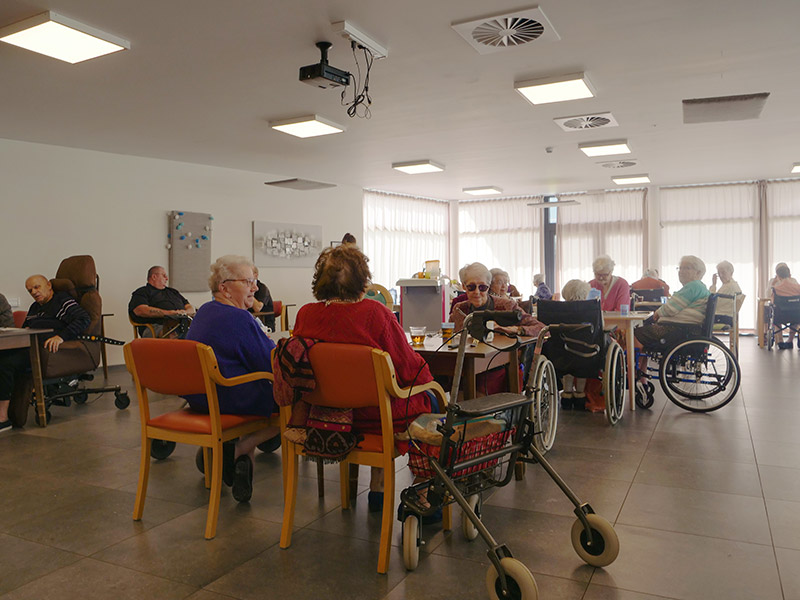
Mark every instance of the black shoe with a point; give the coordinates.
(375, 501)
(242, 479)
(271, 444)
(5, 425)
(785, 345)
(566, 402)
(579, 402)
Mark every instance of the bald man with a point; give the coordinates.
(51, 310)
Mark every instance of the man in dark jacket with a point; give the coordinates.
(51, 310)
(158, 304)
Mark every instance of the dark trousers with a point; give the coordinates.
(12, 364)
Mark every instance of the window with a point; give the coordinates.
(783, 227)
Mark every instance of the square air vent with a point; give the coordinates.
(509, 30)
(724, 108)
(300, 184)
(582, 122)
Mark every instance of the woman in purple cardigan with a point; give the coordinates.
(614, 290)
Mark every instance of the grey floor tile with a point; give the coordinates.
(710, 514)
(717, 446)
(709, 424)
(606, 463)
(206, 595)
(777, 454)
(784, 523)
(22, 561)
(93, 580)
(699, 474)
(790, 574)
(316, 565)
(679, 565)
(177, 550)
(780, 483)
(602, 592)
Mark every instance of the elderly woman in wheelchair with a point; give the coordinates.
(696, 371)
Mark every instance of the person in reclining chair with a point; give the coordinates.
(157, 304)
(51, 310)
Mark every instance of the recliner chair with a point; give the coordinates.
(63, 370)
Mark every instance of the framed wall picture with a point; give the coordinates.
(286, 244)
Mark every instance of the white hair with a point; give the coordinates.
(538, 278)
(603, 263)
(651, 273)
(475, 271)
(498, 273)
(575, 289)
(725, 267)
(223, 268)
(696, 263)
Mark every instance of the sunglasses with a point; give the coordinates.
(481, 288)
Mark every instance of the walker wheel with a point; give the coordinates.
(121, 400)
(411, 542)
(605, 543)
(80, 398)
(520, 581)
(645, 400)
(467, 526)
(161, 449)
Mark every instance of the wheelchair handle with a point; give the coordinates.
(558, 327)
(477, 325)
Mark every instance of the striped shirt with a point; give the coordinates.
(686, 306)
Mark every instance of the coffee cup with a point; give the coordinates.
(624, 309)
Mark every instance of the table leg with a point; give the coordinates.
(470, 385)
(631, 367)
(38, 386)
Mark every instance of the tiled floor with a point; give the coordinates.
(706, 506)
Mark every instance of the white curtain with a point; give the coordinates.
(401, 233)
(504, 234)
(609, 223)
(716, 223)
(783, 227)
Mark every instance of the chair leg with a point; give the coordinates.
(344, 483)
(144, 476)
(290, 468)
(216, 491)
(353, 483)
(320, 479)
(207, 466)
(388, 517)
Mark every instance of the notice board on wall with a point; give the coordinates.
(189, 243)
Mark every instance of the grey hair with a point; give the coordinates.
(538, 278)
(498, 273)
(476, 271)
(575, 289)
(651, 273)
(603, 263)
(223, 267)
(696, 263)
(725, 266)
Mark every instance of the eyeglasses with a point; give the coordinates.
(481, 287)
(685, 269)
(248, 281)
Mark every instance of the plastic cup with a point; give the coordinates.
(447, 330)
(624, 309)
(417, 335)
(663, 299)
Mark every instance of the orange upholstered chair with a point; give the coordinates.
(281, 313)
(19, 317)
(352, 376)
(181, 367)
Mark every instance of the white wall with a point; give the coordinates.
(56, 202)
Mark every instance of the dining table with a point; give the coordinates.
(627, 323)
(14, 337)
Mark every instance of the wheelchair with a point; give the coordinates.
(585, 351)
(697, 372)
(784, 314)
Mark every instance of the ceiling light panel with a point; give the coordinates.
(416, 167)
(631, 179)
(305, 127)
(485, 190)
(605, 148)
(796, 168)
(60, 37)
(555, 89)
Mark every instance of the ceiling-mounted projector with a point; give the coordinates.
(323, 75)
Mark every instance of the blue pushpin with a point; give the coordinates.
(169, 236)
(183, 237)
(180, 213)
(205, 237)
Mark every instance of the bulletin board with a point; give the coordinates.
(189, 244)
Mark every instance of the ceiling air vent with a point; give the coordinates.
(499, 32)
(582, 122)
(724, 108)
(300, 184)
(619, 164)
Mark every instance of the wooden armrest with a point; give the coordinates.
(437, 390)
(240, 379)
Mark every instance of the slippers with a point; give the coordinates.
(242, 479)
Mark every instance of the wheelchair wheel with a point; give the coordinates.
(519, 579)
(467, 526)
(81, 398)
(411, 542)
(544, 409)
(48, 416)
(645, 394)
(121, 400)
(614, 377)
(605, 543)
(700, 375)
(161, 449)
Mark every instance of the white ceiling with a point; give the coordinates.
(203, 77)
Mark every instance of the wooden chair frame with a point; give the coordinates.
(211, 440)
(386, 388)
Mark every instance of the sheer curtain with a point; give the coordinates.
(603, 223)
(714, 222)
(504, 234)
(401, 233)
(783, 227)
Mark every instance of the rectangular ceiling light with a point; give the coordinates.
(57, 36)
(415, 167)
(309, 126)
(796, 168)
(630, 179)
(605, 148)
(555, 89)
(485, 190)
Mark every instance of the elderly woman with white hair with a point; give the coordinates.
(614, 291)
(542, 291)
(684, 311)
(240, 347)
(725, 306)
